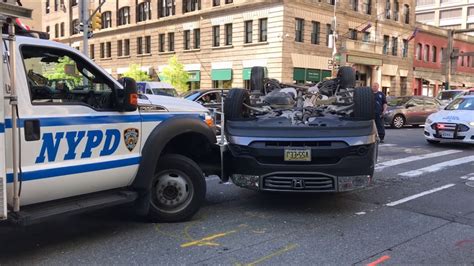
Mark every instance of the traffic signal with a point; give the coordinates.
(96, 21)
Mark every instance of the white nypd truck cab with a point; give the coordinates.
(84, 144)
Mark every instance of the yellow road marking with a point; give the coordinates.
(276, 253)
(206, 241)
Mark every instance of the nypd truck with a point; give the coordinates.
(74, 139)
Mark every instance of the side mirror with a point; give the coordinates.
(128, 97)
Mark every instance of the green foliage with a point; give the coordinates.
(58, 71)
(134, 71)
(175, 75)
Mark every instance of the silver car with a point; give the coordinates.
(410, 110)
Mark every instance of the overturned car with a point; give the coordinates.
(292, 138)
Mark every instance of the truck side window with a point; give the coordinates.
(57, 76)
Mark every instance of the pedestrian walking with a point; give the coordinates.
(380, 109)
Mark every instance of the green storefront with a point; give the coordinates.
(309, 75)
(221, 78)
(194, 80)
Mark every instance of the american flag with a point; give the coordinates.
(413, 34)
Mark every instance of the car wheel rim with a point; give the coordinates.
(173, 191)
(398, 121)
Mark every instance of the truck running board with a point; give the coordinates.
(40, 212)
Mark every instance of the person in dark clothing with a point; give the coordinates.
(380, 109)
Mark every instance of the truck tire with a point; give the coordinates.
(346, 77)
(257, 78)
(364, 103)
(234, 108)
(177, 191)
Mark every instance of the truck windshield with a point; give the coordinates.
(462, 104)
(165, 92)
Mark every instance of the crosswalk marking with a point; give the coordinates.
(409, 159)
(437, 167)
(394, 203)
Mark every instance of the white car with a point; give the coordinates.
(453, 124)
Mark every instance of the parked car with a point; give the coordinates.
(446, 96)
(210, 98)
(156, 88)
(453, 124)
(410, 110)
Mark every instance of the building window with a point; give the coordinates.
(441, 55)
(187, 39)
(406, 14)
(355, 5)
(124, 16)
(48, 29)
(248, 31)
(47, 7)
(166, 8)
(62, 29)
(405, 48)
(394, 46)
(171, 41)
(426, 53)
(148, 44)
(263, 30)
(108, 49)
(143, 11)
(387, 9)
(162, 43)
(229, 1)
(395, 10)
(56, 5)
(331, 2)
(386, 40)
(126, 47)
(216, 36)
(75, 27)
(102, 50)
(106, 20)
(434, 52)
(56, 30)
(461, 58)
(450, 14)
(228, 34)
(299, 30)
(74, 2)
(353, 34)
(418, 51)
(140, 45)
(92, 51)
(197, 38)
(191, 5)
(216, 2)
(328, 33)
(367, 7)
(366, 37)
(119, 48)
(315, 32)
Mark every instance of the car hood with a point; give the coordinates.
(172, 104)
(452, 116)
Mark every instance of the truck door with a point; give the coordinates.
(73, 138)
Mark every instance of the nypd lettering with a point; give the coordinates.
(92, 139)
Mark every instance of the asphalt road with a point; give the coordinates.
(419, 210)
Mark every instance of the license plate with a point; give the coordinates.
(447, 134)
(298, 155)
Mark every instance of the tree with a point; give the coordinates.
(58, 71)
(135, 72)
(175, 75)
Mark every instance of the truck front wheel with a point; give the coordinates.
(177, 191)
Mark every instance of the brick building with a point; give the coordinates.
(429, 78)
(218, 41)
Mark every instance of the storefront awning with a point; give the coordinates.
(389, 70)
(403, 72)
(364, 60)
(194, 76)
(246, 72)
(386, 82)
(221, 74)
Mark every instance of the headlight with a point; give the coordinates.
(471, 124)
(429, 121)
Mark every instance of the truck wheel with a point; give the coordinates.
(364, 103)
(347, 77)
(234, 108)
(257, 77)
(398, 122)
(177, 191)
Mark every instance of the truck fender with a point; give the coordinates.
(154, 145)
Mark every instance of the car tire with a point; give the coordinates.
(430, 141)
(234, 108)
(346, 77)
(398, 121)
(178, 189)
(257, 78)
(364, 103)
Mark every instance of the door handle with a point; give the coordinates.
(32, 130)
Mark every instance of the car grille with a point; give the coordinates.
(299, 182)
